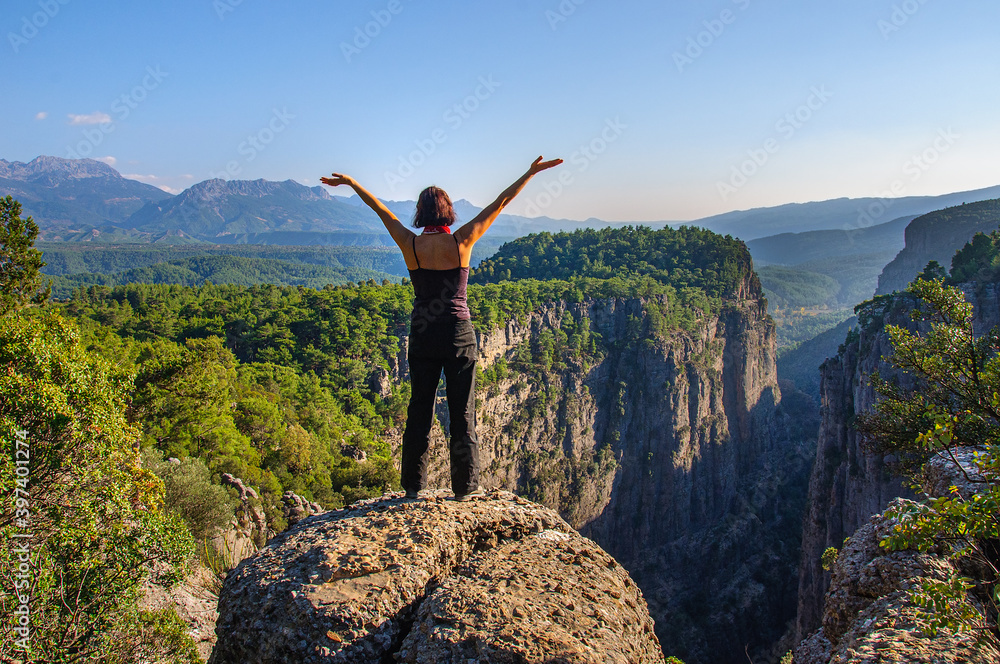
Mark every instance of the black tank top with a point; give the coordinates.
(439, 294)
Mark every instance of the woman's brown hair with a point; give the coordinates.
(433, 209)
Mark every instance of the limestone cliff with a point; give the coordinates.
(937, 236)
(869, 616)
(666, 449)
(848, 484)
(497, 579)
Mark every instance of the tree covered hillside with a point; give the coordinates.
(686, 257)
(66, 258)
(278, 385)
(978, 261)
(236, 270)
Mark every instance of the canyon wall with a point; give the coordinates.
(937, 236)
(848, 484)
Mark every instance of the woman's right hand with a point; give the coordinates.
(538, 165)
(337, 179)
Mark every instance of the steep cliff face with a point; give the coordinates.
(848, 484)
(937, 236)
(666, 449)
(869, 615)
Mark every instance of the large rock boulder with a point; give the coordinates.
(295, 507)
(869, 617)
(498, 579)
(248, 529)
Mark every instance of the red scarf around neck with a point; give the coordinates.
(431, 230)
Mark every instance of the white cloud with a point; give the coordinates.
(110, 161)
(41, 115)
(154, 180)
(96, 117)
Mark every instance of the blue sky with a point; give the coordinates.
(663, 110)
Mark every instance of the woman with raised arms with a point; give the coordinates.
(441, 332)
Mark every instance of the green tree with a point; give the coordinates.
(20, 262)
(933, 270)
(87, 518)
(954, 404)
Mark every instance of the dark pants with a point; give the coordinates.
(451, 346)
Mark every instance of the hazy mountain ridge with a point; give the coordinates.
(111, 207)
(796, 248)
(74, 195)
(846, 214)
(226, 210)
(116, 209)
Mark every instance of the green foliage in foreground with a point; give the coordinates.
(70, 479)
(956, 405)
(205, 507)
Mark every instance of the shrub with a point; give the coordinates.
(90, 516)
(205, 507)
(829, 558)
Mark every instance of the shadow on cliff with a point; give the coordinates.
(713, 539)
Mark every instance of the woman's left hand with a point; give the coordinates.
(337, 179)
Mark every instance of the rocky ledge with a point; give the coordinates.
(869, 617)
(497, 579)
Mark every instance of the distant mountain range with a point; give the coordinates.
(64, 194)
(844, 214)
(235, 211)
(87, 200)
(795, 248)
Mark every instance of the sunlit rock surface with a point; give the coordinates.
(869, 617)
(497, 579)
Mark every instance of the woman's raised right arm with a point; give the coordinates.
(400, 233)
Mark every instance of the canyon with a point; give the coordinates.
(672, 452)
